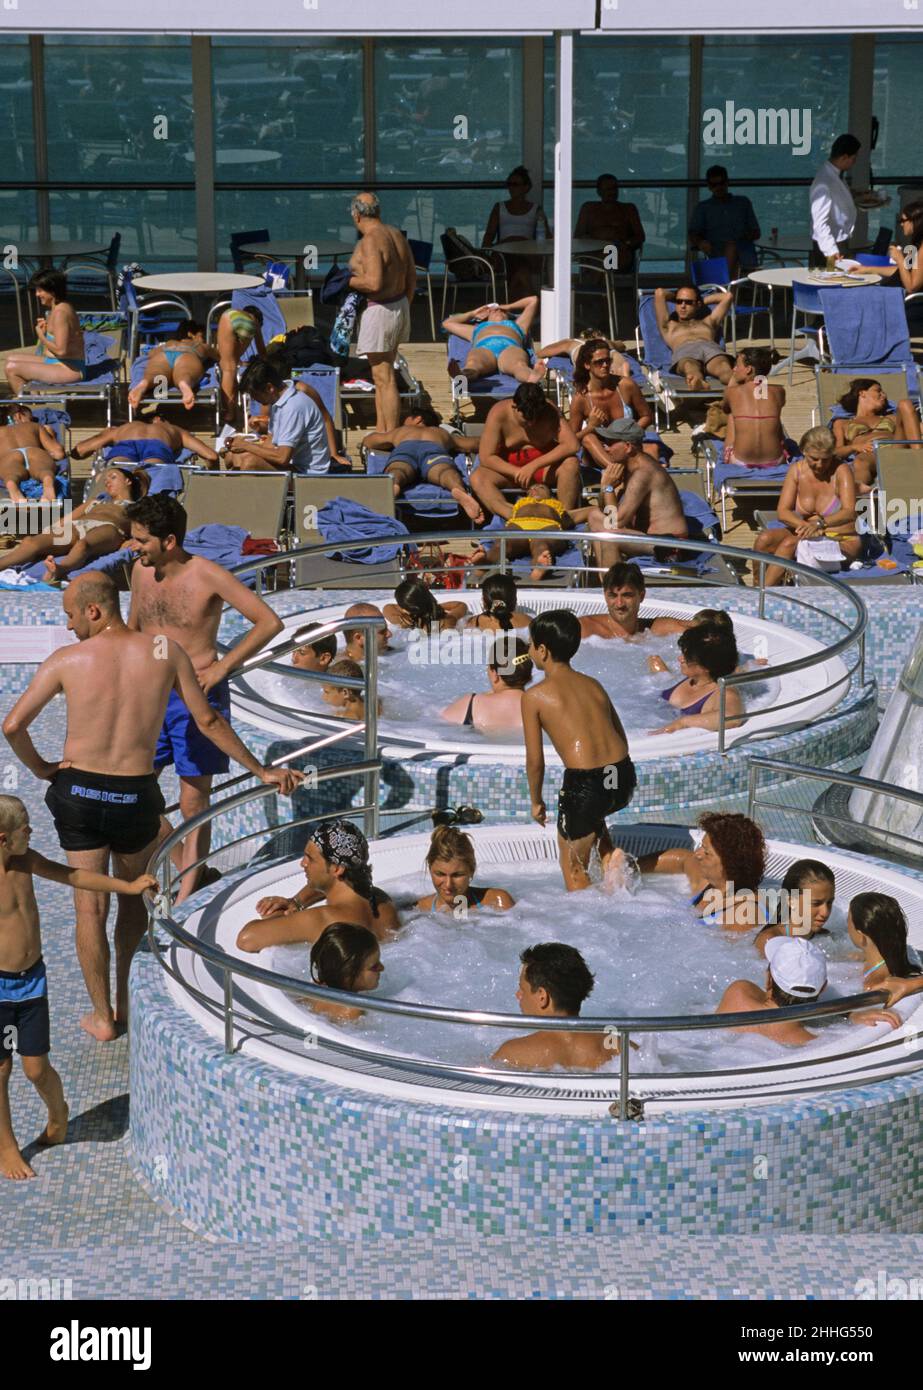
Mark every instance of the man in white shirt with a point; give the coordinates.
(295, 437)
(833, 212)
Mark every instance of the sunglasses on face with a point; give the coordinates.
(687, 301)
(599, 361)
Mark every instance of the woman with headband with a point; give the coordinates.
(499, 711)
(339, 882)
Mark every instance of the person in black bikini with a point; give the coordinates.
(509, 671)
(452, 865)
(587, 734)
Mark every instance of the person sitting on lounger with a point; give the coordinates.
(691, 333)
(755, 437)
(59, 358)
(422, 452)
(27, 450)
(637, 496)
(871, 421)
(526, 441)
(146, 442)
(602, 398)
(498, 342)
(817, 502)
(181, 362)
(570, 347)
(93, 529)
(540, 514)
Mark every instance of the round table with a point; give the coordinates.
(235, 157)
(783, 277)
(203, 284)
(580, 246)
(296, 248)
(49, 251)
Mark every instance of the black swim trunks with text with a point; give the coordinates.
(93, 809)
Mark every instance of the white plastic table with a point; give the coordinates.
(295, 249)
(198, 282)
(783, 277)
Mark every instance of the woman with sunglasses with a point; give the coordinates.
(517, 219)
(600, 398)
(908, 263)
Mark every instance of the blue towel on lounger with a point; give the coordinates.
(866, 328)
(343, 519)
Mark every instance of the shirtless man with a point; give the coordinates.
(624, 592)
(339, 880)
(525, 441)
(150, 441)
(553, 983)
(797, 974)
(183, 596)
(582, 724)
(104, 796)
(755, 437)
(382, 270)
(421, 451)
(691, 334)
(638, 496)
(27, 450)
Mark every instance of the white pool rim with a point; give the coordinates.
(884, 1051)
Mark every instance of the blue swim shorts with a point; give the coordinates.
(181, 743)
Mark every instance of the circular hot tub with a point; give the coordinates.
(819, 713)
(308, 1127)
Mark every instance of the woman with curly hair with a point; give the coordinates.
(724, 871)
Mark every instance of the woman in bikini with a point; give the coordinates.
(707, 652)
(237, 329)
(818, 501)
(500, 611)
(452, 865)
(871, 420)
(570, 347)
(181, 362)
(878, 927)
(93, 529)
(600, 398)
(59, 358)
(498, 342)
(509, 671)
(724, 872)
(414, 607)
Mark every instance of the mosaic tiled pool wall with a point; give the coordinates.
(244, 1151)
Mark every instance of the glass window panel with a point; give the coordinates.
(787, 74)
(896, 103)
(321, 216)
(158, 227)
(287, 109)
(448, 110)
(16, 107)
(119, 109)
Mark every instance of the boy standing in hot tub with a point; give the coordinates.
(579, 718)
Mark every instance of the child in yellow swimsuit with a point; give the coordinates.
(538, 511)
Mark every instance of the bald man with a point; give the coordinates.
(104, 796)
(383, 272)
(355, 636)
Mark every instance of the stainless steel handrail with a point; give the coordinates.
(854, 635)
(617, 1025)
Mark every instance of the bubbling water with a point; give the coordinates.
(421, 675)
(649, 954)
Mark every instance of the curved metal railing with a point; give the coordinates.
(618, 1027)
(853, 636)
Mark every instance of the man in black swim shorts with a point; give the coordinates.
(91, 809)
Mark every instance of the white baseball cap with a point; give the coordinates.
(797, 965)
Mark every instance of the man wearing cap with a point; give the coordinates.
(637, 494)
(797, 974)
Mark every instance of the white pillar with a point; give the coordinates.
(563, 183)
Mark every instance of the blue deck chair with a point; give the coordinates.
(422, 252)
(867, 331)
(208, 391)
(724, 480)
(656, 358)
(896, 546)
(496, 387)
(105, 337)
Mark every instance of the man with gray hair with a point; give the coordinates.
(383, 271)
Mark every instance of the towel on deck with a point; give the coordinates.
(342, 519)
